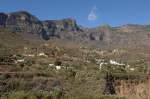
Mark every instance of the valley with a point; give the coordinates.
(58, 59)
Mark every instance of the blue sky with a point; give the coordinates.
(90, 13)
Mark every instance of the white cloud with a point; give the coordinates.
(93, 15)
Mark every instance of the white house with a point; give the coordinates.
(132, 69)
(58, 67)
(101, 64)
(29, 55)
(50, 65)
(42, 54)
(115, 63)
(20, 60)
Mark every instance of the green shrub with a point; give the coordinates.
(26, 95)
(17, 95)
(4, 76)
(32, 97)
(58, 62)
(56, 94)
(112, 97)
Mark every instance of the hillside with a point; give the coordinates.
(57, 59)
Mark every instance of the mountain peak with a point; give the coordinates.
(23, 21)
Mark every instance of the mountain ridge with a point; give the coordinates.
(130, 35)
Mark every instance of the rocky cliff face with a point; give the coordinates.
(3, 18)
(135, 88)
(131, 86)
(122, 37)
(23, 21)
(55, 28)
(62, 25)
(68, 30)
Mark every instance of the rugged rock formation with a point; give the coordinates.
(3, 18)
(23, 21)
(62, 25)
(131, 86)
(68, 30)
(55, 27)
